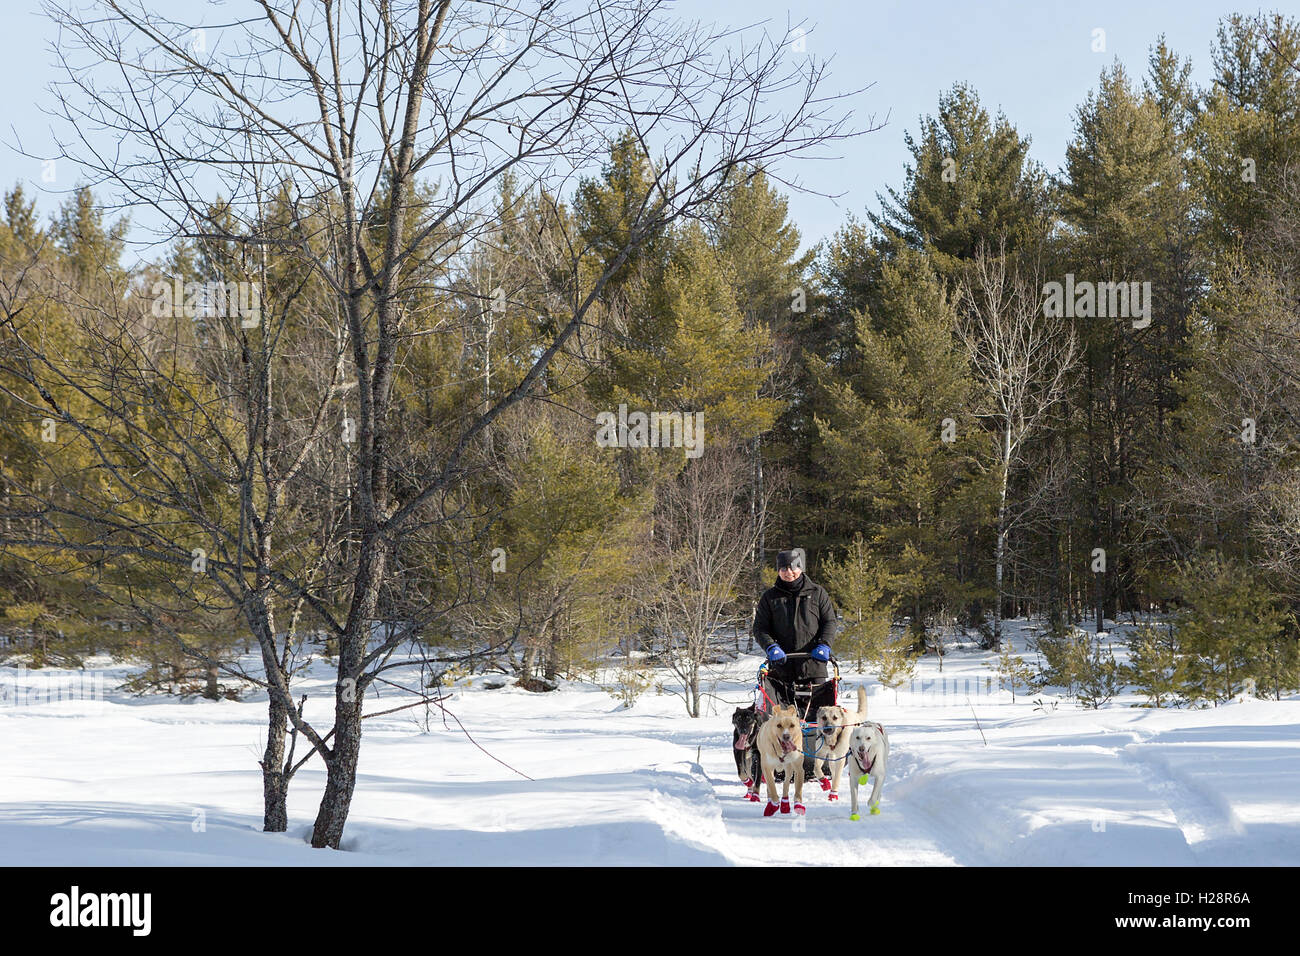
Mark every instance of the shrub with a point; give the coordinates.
(1155, 667)
(1232, 628)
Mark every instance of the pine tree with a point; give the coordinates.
(1156, 668)
(20, 218)
(970, 183)
(1247, 130)
(1227, 625)
(896, 664)
(758, 247)
(899, 446)
(1012, 671)
(92, 247)
(859, 583)
(1124, 201)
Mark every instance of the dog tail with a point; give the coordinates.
(862, 705)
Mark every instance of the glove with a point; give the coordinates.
(822, 652)
(775, 654)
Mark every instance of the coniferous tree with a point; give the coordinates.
(1123, 203)
(899, 446)
(970, 183)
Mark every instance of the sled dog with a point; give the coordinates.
(868, 755)
(780, 748)
(745, 723)
(835, 726)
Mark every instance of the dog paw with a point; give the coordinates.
(832, 795)
(854, 816)
(785, 806)
(799, 808)
(769, 809)
(826, 783)
(875, 811)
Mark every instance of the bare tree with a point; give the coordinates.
(189, 474)
(698, 557)
(1023, 359)
(391, 124)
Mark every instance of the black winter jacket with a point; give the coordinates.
(798, 618)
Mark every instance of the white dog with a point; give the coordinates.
(868, 756)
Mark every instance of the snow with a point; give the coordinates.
(159, 781)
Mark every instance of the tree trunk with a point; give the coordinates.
(275, 784)
(341, 777)
(1002, 535)
(341, 767)
(549, 666)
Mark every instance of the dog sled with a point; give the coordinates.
(768, 738)
(805, 695)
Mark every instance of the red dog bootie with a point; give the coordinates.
(785, 806)
(771, 809)
(825, 782)
(799, 808)
(751, 797)
(832, 795)
(749, 782)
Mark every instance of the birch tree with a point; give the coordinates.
(1022, 358)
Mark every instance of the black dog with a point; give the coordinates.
(744, 747)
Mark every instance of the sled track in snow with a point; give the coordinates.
(1203, 818)
(899, 836)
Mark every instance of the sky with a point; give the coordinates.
(1035, 61)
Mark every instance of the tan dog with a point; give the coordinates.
(835, 724)
(780, 747)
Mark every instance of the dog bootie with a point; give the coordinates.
(862, 780)
(749, 782)
(800, 809)
(875, 811)
(832, 795)
(752, 797)
(785, 806)
(770, 809)
(854, 816)
(825, 782)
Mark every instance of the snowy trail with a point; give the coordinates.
(1202, 817)
(161, 781)
(898, 836)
